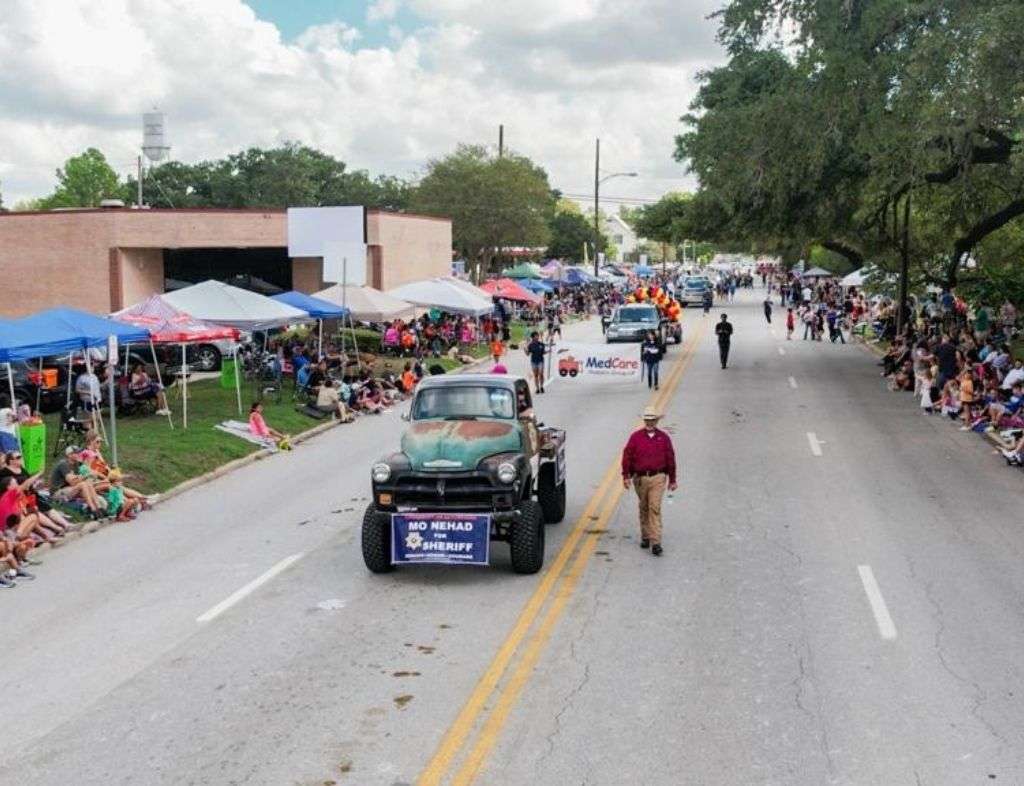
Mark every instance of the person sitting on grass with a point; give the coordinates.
(143, 388)
(36, 500)
(119, 504)
(1009, 407)
(27, 525)
(98, 470)
(258, 426)
(14, 554)
(67, 485)
(1015, 455)
(328, 399)
(371, 399)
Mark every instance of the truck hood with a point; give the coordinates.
(454, 445)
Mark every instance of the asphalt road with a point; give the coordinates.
(839, 602)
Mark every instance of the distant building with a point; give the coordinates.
(105, 259)
(622, 236)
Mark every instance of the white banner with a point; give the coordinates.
(597, 362)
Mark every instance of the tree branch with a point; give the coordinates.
(966, 242)
(845, 250)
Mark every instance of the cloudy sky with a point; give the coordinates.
(385, 85)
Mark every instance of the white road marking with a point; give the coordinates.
(249, 588)
(812, 440)
(782, 351)
(886, 627)
(792, 383)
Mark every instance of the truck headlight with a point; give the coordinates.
(507, 473)
(380, 472)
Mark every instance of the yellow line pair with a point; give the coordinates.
(592, 523)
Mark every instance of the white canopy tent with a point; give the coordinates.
(223, 304)
(473, 289)
(366, 304)
(443, 294)
(855, 279)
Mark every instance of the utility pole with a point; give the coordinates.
(901, 314)
(597, 203)
(138, 201)
(501, 141)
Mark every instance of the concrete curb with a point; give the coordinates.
(80, 529)
(231, 466)
(88, 527)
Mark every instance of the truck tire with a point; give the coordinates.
(377, 540)
(551, 495)
(678, 336)
(526, 538)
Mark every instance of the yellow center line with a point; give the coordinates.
(459, 732)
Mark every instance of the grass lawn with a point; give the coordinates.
(157, 458)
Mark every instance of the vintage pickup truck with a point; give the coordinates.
(473, 446)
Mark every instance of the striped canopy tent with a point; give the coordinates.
(510, 290)
(523, 270)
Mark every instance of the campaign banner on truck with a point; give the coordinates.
(597, 362)
(440, 538)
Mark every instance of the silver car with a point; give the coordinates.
(631, 323)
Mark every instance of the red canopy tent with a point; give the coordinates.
(168, 325)
(510, 290)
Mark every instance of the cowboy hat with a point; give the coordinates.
(651, 414)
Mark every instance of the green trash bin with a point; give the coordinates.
(33, 447)
(227, 373)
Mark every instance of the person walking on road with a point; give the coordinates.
(536, 350)
(707, 300)
(649, 464)
(790, 324)
(651, 353)
(724, 332)
(768, 309)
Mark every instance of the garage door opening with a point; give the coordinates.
(264, 270)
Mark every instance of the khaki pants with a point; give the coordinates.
(650, 489)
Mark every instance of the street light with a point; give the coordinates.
(598, 180)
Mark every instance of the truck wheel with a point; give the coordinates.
(551, 495)
(562, 372)
(678, 337)
(377, 540)
(526, 538)
(573, 373)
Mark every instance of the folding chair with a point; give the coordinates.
(71, 429)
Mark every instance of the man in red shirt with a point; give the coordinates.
(649, 463)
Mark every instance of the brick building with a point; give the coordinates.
(104, 259)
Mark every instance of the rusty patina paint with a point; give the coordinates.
(460, 444)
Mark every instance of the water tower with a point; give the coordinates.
(154, 143)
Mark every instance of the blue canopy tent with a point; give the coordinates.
(59, 330)
(536, 285)
(317, 308)
(576, 276)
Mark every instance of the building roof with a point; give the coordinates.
(120, 211)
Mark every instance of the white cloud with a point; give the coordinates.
(381, 11)
(556, 74)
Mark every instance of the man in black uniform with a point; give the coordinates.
(724, 332)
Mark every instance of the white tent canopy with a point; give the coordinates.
(223, 304)
(855, 279)
(442, 294)
(473, 289)
(367, 304)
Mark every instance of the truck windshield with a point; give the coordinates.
(637, 315)
(464, 402)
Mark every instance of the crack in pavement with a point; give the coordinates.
(980, 695)
(571, 696)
